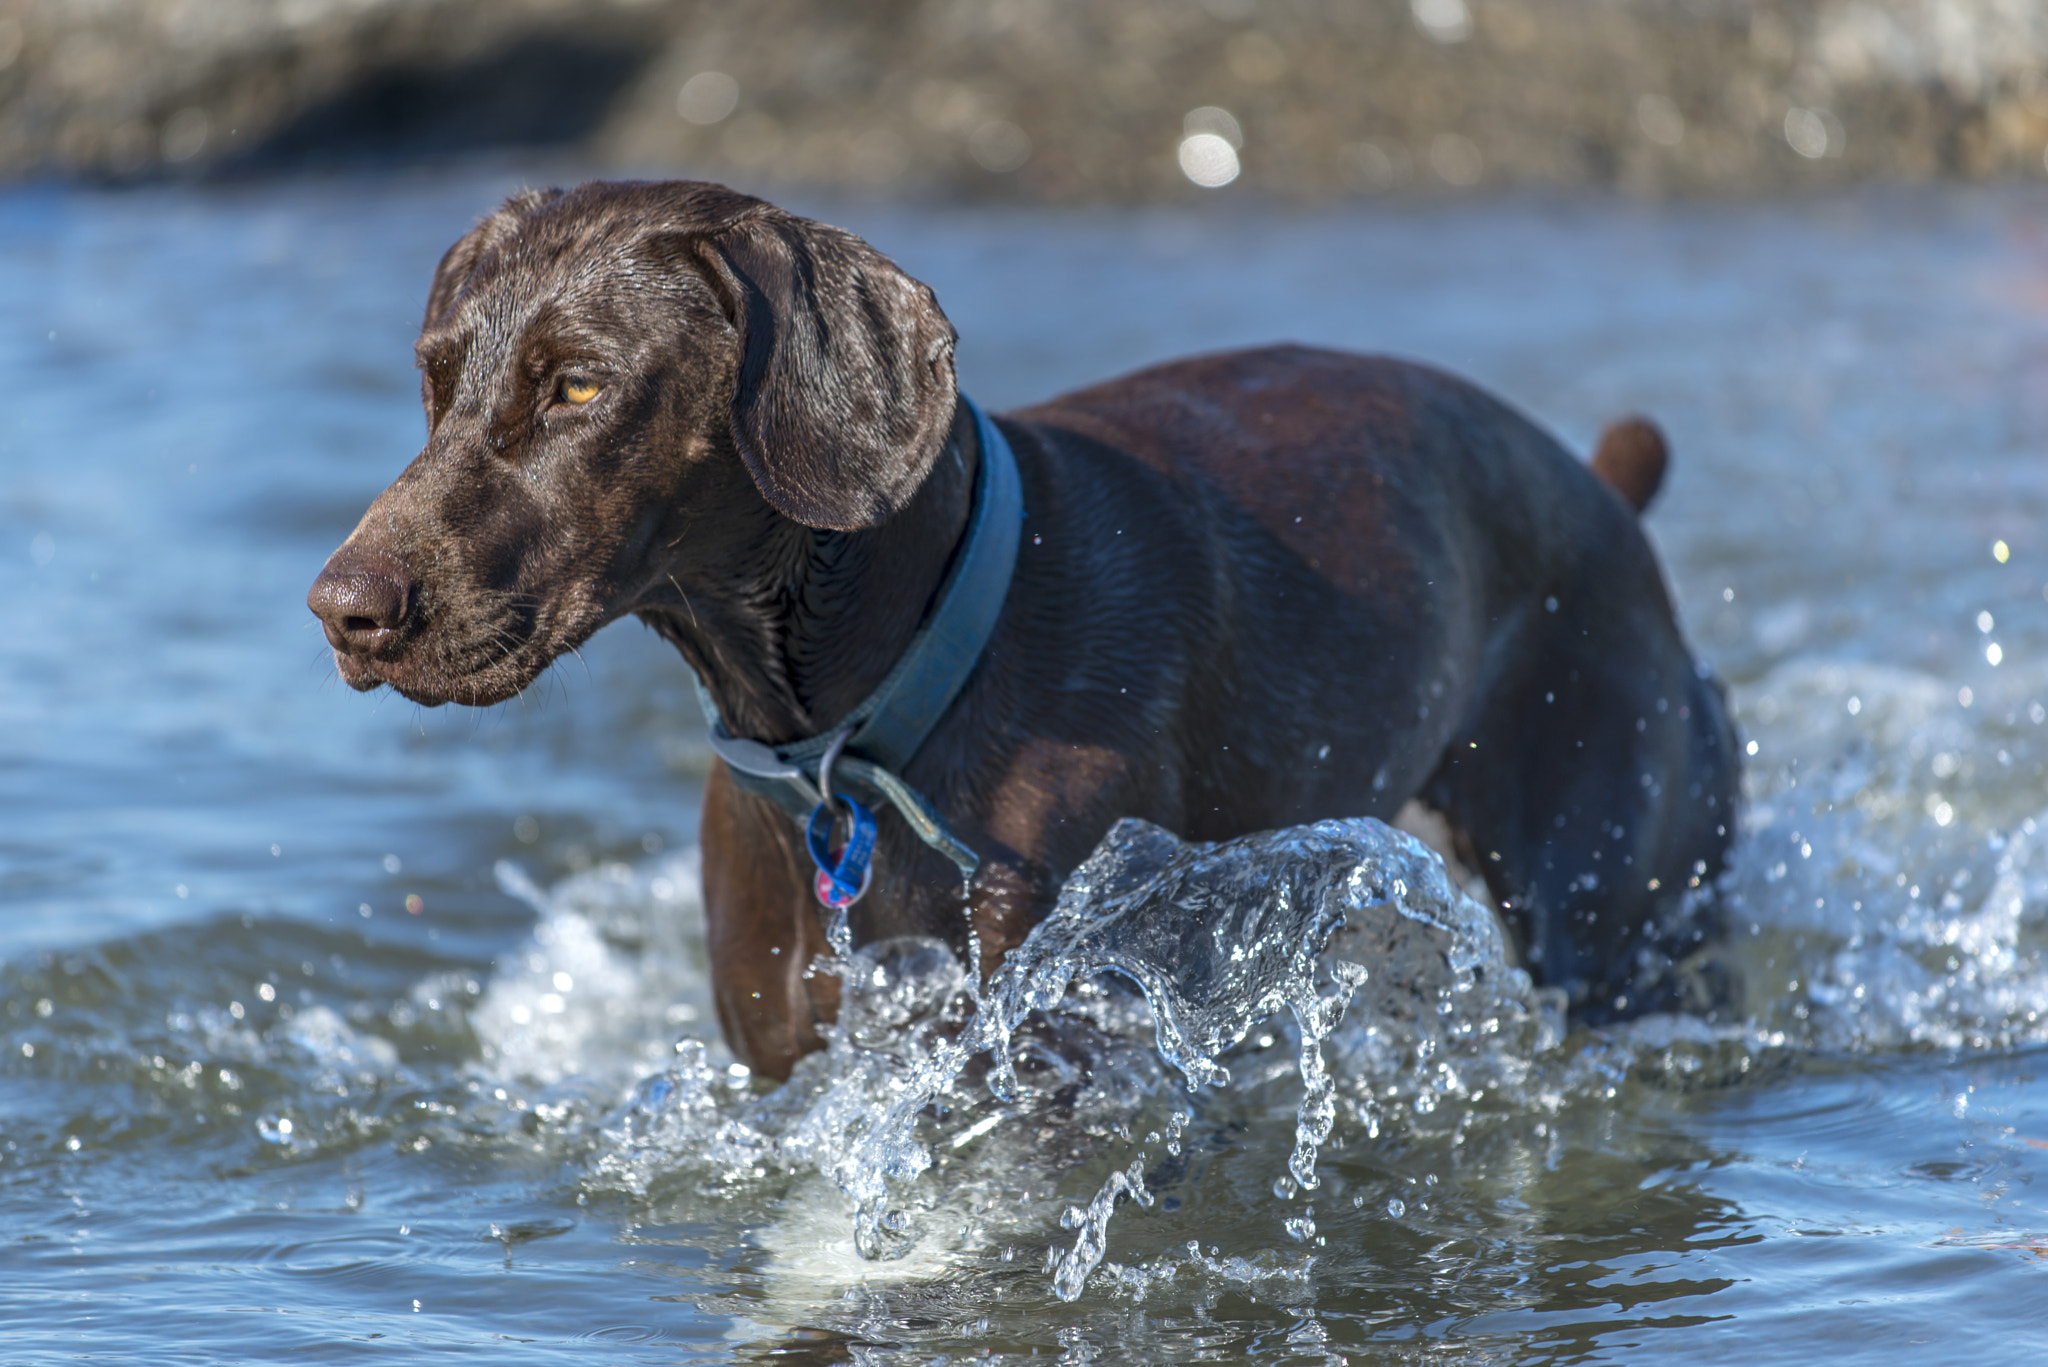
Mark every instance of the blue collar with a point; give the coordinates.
(885, 731)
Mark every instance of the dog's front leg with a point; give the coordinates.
(761, 930)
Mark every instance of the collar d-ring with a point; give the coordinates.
(828, 759)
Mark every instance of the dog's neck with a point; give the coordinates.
(799, 633)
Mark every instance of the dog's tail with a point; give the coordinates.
(1631, 459)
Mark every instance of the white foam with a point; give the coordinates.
(607, 980)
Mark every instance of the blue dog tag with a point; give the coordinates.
(843, 874)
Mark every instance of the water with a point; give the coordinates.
(327, 1023)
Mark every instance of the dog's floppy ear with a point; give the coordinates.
(490, 233)
(844, 392)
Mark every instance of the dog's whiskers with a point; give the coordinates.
(687, 604)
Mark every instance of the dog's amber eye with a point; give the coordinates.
(578, 390)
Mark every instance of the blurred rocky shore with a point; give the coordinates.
(1060, 100)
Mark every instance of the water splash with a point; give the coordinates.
(1888, 888)
(1216, 938)
(607, 976)
(1071, 1273)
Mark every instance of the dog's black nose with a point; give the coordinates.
(360, 603)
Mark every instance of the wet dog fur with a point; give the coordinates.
(1254, 589)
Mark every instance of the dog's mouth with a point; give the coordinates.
(436, 639)
(430, 679)
(488, 663)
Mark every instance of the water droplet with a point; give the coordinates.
(707, 98)
(999, 146)
(1442, 21)
(1218, 122)
(1456, 159)
(1660, 120)
(1208, 160)
(1813, 133)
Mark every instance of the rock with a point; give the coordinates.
(1057, 100)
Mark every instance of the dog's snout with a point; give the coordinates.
(361, 605)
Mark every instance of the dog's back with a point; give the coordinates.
(1382, 583)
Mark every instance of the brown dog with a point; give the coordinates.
(1252, 590)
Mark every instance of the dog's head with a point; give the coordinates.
(624, 383)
